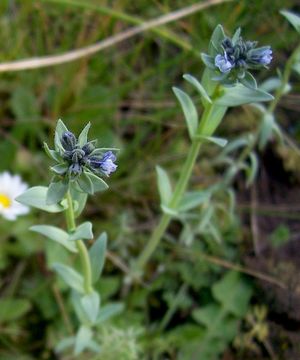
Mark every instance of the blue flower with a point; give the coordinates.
(105, 164)
(222, 62)
(267, 57)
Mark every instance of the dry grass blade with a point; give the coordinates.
(73, 55)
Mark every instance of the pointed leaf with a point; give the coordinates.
(55, 234)
(164, 185)
(91, 304)
(189, 110)
(97, 254)
(292, 18)
(239, 95)
(108, 311)
(83, 231)
(59, 130)
(191, 79)
(249, 81)
(216, 140)
(85, 183)
(193, 199)
(56, 192)
(54, 155)
(252, 169)
(98, 183)
(83, 337)
(59, 169)
(82, 138)
(70, 276)
(167, 210)
(36, 197)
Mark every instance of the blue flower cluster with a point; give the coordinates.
(242, 55)
(230, 59)
(86, 156)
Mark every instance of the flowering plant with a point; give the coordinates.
(76, 174)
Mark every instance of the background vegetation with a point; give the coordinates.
(234, 292)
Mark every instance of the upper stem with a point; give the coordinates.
(82, 250)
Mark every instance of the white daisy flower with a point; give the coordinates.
(11, 187)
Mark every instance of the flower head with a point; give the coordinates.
(232, 58)
(80, 162)
(10, 187)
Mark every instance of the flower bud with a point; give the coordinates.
(68, 140)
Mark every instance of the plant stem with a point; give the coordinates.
(180, 188)
(82, 250)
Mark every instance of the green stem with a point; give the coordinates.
(285, 79)
(82, 250)
(179, 191)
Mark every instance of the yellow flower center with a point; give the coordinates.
(5, 201)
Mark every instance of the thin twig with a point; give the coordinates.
(44, 61)
(60, 303)
(228, 265)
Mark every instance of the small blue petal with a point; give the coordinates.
(222, 62)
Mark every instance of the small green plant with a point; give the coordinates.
(226, 82)
(79, 169)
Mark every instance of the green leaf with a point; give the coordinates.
(79, 198)
(55, 234)
(216, 39)
(108, 311)
(82, 138)
(11, 308)
(192, 80)
(214, 117)
(239, 95)
(164, 185)
(292, 18)
(83, 231)
(56, 192)
(54, 155)
(167, 210)
(266, 129)
(189, 110)
(216, 140)
(207, 315)
(59, 169)
(36, 197)
(193, 199)
(77, 305)
(70, 276)
(90, 304)
(65, 344)
(24, 104)
(85, 183)
(236, 36)
(249, 81)
(83, 337)
(97, 254)
(208, 61)
(98, 183)
(59, 130)
(252, 169)
(233, 292)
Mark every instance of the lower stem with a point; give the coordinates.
(82, 250)
(166, 218)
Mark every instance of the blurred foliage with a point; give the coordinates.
(125, 91)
